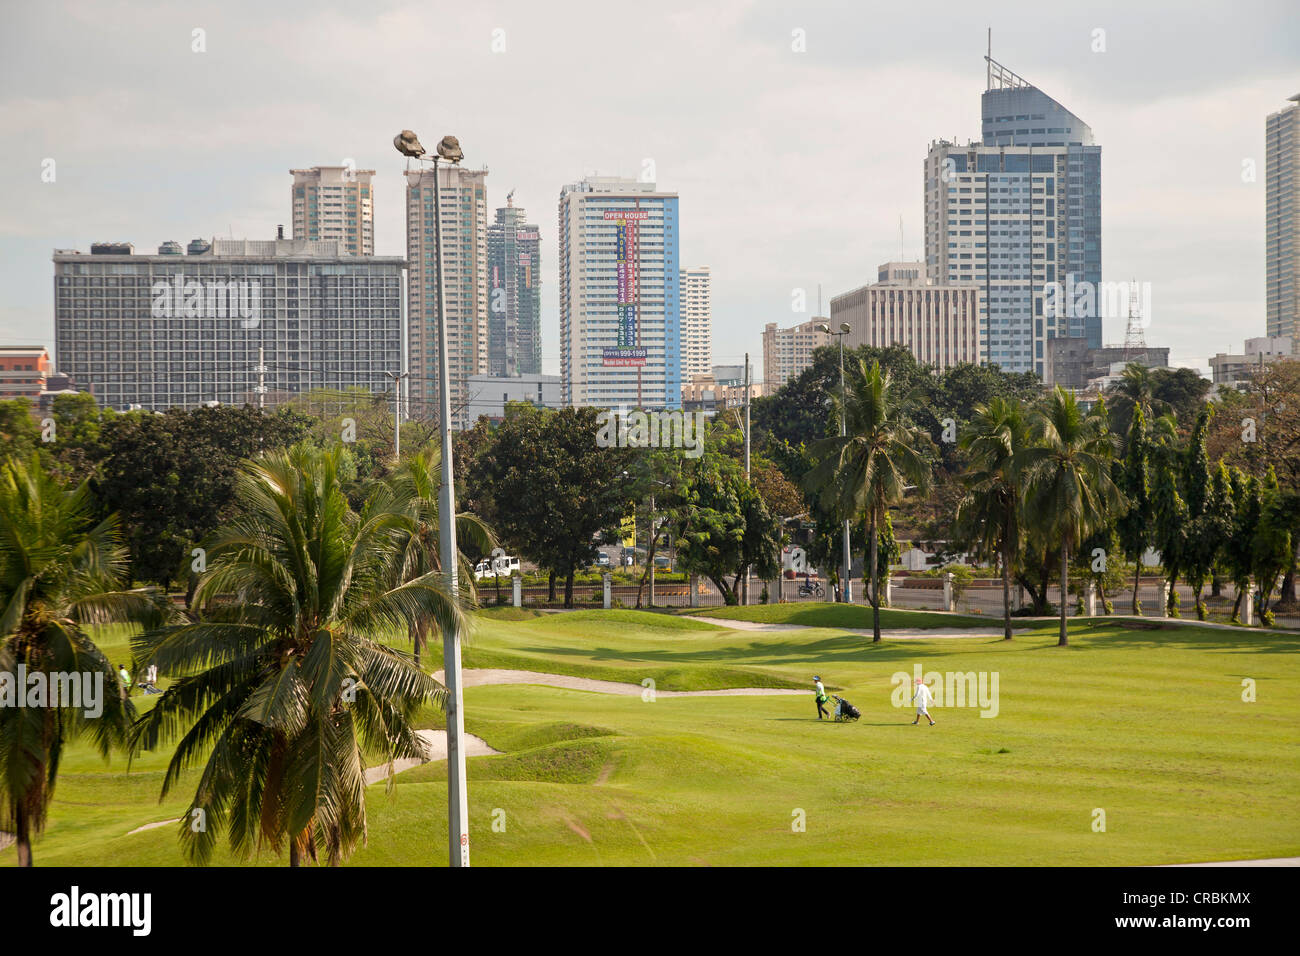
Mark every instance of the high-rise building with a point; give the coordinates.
(514, 299)
(1282, 221)
(787, 352)
(1018, 213)
(463, 199)
(620, 301)
(173, 329)
(335, 202)
(697, 322)
(939, 322)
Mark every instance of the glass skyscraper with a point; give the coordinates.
(1016, 213)
(514, 294)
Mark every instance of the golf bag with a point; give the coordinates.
(845, 711)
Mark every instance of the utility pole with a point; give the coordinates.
(650, 550)
(745, 585)
(261, 378)
(397, 412)
(846, 588)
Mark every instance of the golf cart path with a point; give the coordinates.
(483, 676)
(1275, 861)
(893, 634)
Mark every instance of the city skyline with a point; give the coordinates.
(1192, 228)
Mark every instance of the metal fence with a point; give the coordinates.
(982, 597)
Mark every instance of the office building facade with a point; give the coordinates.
(514, 297)
(490, 394)
(463, 202)
(1282, 221)
(335, 202)
(182, 330)
(788, 352)
(938, 322)
(620, 295)
(1016, 213)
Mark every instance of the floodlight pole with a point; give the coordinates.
(846, 591)
(457, 800)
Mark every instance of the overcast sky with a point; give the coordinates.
(793, 168)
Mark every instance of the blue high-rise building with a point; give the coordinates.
(620, 295)
(1019, 213)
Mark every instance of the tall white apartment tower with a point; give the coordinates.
(1282, 224)
(335, 202)
(697, 323)
(620, 295)
(463, 199)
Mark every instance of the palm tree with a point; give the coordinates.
(413, 490)
(1069, 488)
(60, 570)
(1136, 388)
(991, 508)
(874, 464)
(283, 685)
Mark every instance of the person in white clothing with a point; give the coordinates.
(922, 699)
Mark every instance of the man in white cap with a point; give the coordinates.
(822, 698)
(922, 699)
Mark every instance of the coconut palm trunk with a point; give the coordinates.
(1137, 579)
(1006, 591)
(1065, 589)
(875, 578)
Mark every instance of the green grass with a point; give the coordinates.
(1147, 725)
(848, 615)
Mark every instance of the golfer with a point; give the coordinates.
(922, 699)
(822, 698)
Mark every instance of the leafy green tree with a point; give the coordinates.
(172, 476)
(1069, 484)
(20, 433)
(1271, 550)
(1170, 531)
(1182, 390)
(549, 489)
(874, 464)
(285, 683)
(1133, 479)
(1238, 554)
(724, 527)
(991, 511)
(61, 569)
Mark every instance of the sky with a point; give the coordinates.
(794, 133)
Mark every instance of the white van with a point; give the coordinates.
(506, 566)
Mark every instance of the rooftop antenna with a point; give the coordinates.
(1134, 338)
(988, 63)
(510, 197)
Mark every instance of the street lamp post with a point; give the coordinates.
(397, 412)
(846, 588)
(457, 802)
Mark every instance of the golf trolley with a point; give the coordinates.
(844, 710)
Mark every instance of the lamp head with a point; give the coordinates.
(449, 149)
(823, 327)
(845, 328)
(408, 144)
